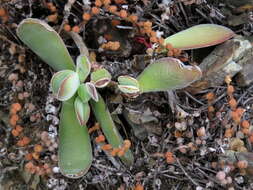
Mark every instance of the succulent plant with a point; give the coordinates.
(68, 85)
(170, 73)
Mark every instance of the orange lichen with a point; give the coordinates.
(111, 45)
(76, 29)
(115, 151)
(86, 16)
(211, 109)
(16, 106)
(229, 133)
(123, 13)
(153, 39)
(121, 152)
(19, 128)
(2, 12)
(100, 138)
(35, 155)
(67, 27)
(245, 124)
(28, 156)
(106, 147)
(169, 157)
(210, 96)
(106, 2)
(112, 9)
(38, 148)
(14, 132)
(133, 18)
(177, 134)
(232, 103)
(94, 128)
(98, 3)
(95, 10)
(230, 89)
(120, 1)
(115, 22)
(242, 164)
(138, 187)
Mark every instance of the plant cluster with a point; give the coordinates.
(76, 86)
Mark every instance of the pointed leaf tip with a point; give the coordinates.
(83, 67)
(91, 89)
(200, 36)
(82, 111)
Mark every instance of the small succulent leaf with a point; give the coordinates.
(167, 74)
(46, 43)
(100, 78)
(200, 36)
(57, 79)
(65, 84)
(75, 152)
(111, 132)
(92, 90)
(128, 89)
(127, 80)
(83, 93)
(82, 111)
(83, 67)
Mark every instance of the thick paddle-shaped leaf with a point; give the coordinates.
(200, 36)
(75, 153)
(167, 74)
(46, 43)
(104, 118)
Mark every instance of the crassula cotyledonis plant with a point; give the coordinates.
(66, 83)
(69, 86)
(170, 73)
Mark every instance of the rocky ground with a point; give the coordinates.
(195, 138)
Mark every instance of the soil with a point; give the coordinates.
(175, 127)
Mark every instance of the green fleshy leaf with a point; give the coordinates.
(46, 43)
(200, 36)
(83, 93)
(127, 80)
(65, 84)
(100, 78)
(83, 67)
(91, 89)
(82, 111)
(75, 152)
(167, 74)
(104, 118)
(128, 89)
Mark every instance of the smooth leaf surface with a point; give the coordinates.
(200, 36)
(65, 84)
(100, 78)
(75, 153)
(104, 118)
(83, 93)
(83, 67)
(167, 74)
(127, 80)
(82, 111)
(91, 89)
(46, 43)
